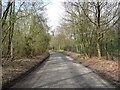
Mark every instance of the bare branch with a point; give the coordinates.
(87, 15)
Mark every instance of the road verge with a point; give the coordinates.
(18, 69)
(107, 69)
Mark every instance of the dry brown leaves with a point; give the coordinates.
(107, 68)
(12, 69)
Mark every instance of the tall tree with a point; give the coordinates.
(24, 29)
(0, 44)
(11, 30)
(92, 26)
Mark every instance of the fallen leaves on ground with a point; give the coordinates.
(12, 69)
(108, 69)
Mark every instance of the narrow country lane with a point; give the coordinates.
(60, 71)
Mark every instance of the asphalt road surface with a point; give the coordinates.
(60, 71)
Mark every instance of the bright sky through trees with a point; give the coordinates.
(55, 11)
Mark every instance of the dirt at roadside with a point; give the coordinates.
(13, 69)
(107, 69)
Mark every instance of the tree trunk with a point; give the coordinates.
(77, 50)
(0, 43)
(10, 36)
(0, 29)
(5, 13)
(98, 28)
(98, 50)
(106, 50)
(111, 51)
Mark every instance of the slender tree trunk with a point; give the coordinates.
(5, 13)
(10, 36)
(85, 51)
(77, 48)
(0, 44)
(99, 50)
(98, 28)
(111, 51)
(106, 50)
(12, 32)
(0, 29)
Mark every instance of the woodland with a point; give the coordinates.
(90, 29)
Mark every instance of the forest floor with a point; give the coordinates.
(15, 68)
(108, 69)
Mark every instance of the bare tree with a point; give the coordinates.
(92, 24)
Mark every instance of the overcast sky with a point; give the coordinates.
(55, 11)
